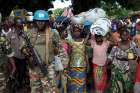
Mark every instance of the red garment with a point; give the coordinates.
(138, 72)
(99, 81)
(138, 26)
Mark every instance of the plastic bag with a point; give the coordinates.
(58, 64)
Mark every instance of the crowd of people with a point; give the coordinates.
(79, 56)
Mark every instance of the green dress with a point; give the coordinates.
(77, 72)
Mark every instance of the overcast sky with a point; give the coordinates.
(59, 4)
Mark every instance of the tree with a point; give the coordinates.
(134, 3)
(58, 12)
(6, 6)
(78, 5)
(83, 5)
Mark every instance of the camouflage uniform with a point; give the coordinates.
(17, 43)
(5, 52)
(44, 44)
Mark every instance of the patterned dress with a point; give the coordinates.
(63, 54)
(77, 72)
(123, 69)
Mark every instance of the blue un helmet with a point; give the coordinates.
(41, 15)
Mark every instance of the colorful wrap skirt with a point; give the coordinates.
(77, 80)
(99, 77)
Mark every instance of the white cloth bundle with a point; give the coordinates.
(93, 14)
(101, 26)
(77, 20)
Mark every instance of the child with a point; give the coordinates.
(100, 46)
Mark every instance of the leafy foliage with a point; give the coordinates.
(114, 9)
(78, 5)
(6, 6)
(83, 5)
(58, 11)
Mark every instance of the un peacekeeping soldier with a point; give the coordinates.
(45, 41)
(6, 55)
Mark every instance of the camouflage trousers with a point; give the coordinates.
(2, 82)
(2, 78)
(40, 83)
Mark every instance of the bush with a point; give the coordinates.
(114, 9)
(58, 12)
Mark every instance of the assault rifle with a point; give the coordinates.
(36, 58)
